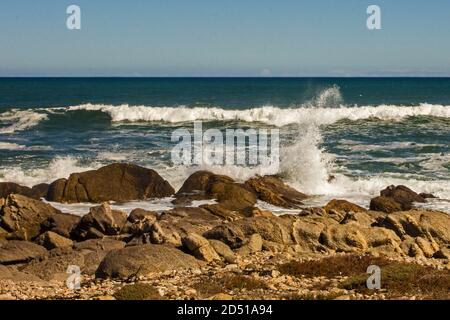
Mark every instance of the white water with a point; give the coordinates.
(304, 164)
(267, 114)
(18, 120)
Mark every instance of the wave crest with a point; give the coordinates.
(268, 114)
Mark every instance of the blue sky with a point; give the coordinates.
(224, 38)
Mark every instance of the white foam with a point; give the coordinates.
(60, 167)
(15, 146)
(19, 120)
(267, 114)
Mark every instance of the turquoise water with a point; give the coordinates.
(365, 132)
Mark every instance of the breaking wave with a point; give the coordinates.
(18, 120)
(269, 115)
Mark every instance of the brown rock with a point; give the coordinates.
(61, 223)
(37, 192)
(274, 191)
(56, 265)
(14, 252)
(87, 255)
(206, 185)
(229, 234)
(141, 214)
(200, 247)
(223, 250)
(273, 229)
(402, 195)
(254, 244)
(51, 240)
(385, 204)
(143, 260)
(116, 182)
(56, 190)
(442, 254)
(343, 206)
(419, 223)
(101, 220)
(23, 216)
(99, 245)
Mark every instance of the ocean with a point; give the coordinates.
(366, 133)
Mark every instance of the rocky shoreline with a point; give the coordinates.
(227, 250)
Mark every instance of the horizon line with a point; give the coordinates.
(217, 76)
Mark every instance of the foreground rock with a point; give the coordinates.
(86, 255)
(14, 252)
(116, 182)
(22, 217)
(144, 260)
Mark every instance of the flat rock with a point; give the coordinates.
(143, 260)
(15, 252)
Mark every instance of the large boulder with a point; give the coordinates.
(37, 192)
(14, 252)
(116, 182)
(22, 216)
(143, 260)
(100, 221)
(273, 190)
(206, 185)
(86, 255)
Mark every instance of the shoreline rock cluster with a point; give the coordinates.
(39, 242)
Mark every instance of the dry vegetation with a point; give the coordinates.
(397, 279)
(400, 279)
(138, 291)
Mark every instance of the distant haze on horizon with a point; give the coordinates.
(209, 38)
